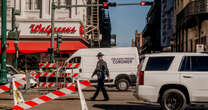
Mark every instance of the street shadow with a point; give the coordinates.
(5, 108)
(6, 98)
(93, 90)
(127, 107)
(139, 106)
(68, 99)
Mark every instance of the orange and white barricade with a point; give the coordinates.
(18, 83)
(70, 73)
(17, 95)
(53, 95)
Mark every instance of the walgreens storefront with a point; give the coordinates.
(35, 41)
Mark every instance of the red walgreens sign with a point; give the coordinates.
(47, 29)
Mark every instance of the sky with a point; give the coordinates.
(126, 19)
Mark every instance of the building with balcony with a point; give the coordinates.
(151, 34)
(99, 25)
(191, 25)
(34, 25)
(167, 23)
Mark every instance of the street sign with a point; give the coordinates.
(200, 48)
(13, 35)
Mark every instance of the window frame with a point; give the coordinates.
(181, 63)
(31, 5)
(75, 57)
(146, 69)
(191, 64)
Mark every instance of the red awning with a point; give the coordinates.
(42, 46)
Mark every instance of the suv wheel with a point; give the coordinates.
(173, 99)
(122, 84)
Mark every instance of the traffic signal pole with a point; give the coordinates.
(3, 75)
(110, 4)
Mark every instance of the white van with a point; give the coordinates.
(122, 64)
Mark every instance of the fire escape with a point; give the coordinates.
(93, 31)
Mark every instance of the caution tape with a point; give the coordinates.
(18, 83)
(69, 73)
(48, 65)
(51, 96)
(53, 84)
(72, 65)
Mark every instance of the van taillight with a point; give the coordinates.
(141, 78)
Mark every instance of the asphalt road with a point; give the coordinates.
(118, 101)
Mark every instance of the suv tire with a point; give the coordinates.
(122, 84)
(173, 99)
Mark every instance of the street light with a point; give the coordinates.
(59, 41)
(3, 71)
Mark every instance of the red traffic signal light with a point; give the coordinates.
(105, 4)
(144, 3)
(109, 4)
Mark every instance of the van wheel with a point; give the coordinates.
(122, 85)
(173, 99)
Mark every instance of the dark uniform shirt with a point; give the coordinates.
(101, 69)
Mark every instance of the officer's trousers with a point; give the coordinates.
(101, 87)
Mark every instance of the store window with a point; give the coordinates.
(29, 62)
(32, 5)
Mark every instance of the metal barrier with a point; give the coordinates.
(61, 76)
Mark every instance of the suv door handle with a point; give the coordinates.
(187, 76)
(80, 70)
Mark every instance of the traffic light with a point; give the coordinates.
(110, 4)
(59, 40)
(145, 3)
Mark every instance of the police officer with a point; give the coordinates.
(101, 71)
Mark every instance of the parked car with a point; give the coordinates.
(122, 64)
(174, 80)
(12, 72)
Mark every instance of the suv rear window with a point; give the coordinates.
(194, 63)
(159, 63)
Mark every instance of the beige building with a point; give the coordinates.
(191, 25)
(34, 25)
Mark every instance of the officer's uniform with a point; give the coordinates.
(101, 71)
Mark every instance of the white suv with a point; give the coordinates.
(173, 79)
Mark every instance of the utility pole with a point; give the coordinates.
(52, 32)
(3, 75)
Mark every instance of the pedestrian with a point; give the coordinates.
(101, 71)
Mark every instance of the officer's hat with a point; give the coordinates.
(100, 54)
